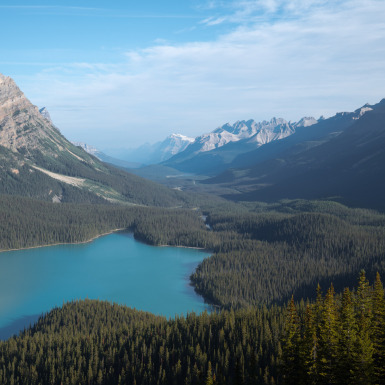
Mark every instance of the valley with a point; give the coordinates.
(277, 207)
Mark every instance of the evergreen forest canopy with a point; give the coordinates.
(262, 254)
(338, 339)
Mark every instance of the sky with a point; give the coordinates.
(117, 74)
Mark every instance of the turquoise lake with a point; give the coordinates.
(114, 267)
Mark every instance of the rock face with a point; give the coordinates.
(172, 145)
(245, 142)
(22, 126)
(160, 151)
(249, 131)
(209, 153)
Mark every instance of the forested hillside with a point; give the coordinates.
(95, 342)
(267, 255)
(29, 222)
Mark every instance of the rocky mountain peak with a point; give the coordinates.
(181, 137)
(22, 126)
(11, 98)
(307, 121)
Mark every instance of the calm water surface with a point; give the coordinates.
(114, 267)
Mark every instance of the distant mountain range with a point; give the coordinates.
(157, 152)
(106, 158)
(341, 158)
(36, 160)
(210, 153)
(185, 153)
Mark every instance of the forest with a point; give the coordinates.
(337, 339)
(101, 343)
(262, 255)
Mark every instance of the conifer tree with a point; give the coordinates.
(209, 377)
(348, 329)
(310, 346)
(378, 330)
(363, 357)
(290, 351)
(329, 338)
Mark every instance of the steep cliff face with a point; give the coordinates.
(21, 124)
(25, 130)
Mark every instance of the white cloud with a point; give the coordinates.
(305, 58)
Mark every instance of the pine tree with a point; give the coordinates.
(328, 338)
(378, 330)
(209, 377)
(290, 351)
(363, 352)
(348, 330)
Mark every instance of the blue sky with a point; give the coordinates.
(121, 73)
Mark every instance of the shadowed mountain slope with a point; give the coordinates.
(349, 167)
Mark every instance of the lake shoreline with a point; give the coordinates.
(102, 235)
(115, 268)
(66, 243)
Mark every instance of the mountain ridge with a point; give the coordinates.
(347, 167)
(36, 160)
(218, 148)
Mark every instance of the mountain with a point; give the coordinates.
(43, 111)
(172, 145)
(211, 153)
(89, 149)
(36, 160)
(106, 158)
(158, 152)
(346, 164)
